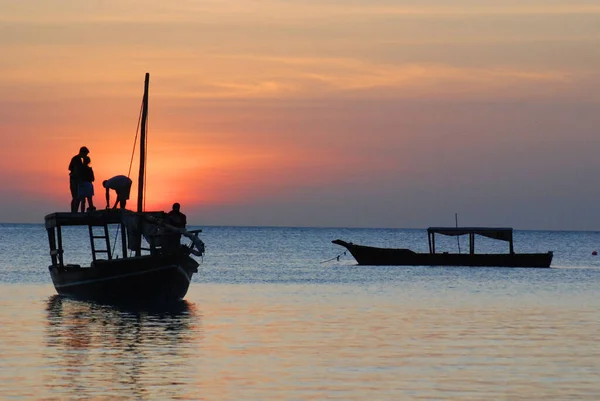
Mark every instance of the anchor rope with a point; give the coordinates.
(335, 257)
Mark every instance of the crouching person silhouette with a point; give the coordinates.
(122, 186)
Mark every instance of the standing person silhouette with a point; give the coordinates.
(86, 188)
(75, 167)
(122, 186)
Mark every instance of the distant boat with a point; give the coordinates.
(161, 271)
(368, 255)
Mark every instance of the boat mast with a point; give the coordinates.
(143, 129)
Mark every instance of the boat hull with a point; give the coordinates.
(139, 279)
(367, 255)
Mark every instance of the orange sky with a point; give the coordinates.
(320, 113)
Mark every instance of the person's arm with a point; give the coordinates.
(107, 198)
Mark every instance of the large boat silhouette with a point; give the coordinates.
(158, 267)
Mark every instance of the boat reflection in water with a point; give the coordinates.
(103, 351)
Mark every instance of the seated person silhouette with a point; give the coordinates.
(176, 219)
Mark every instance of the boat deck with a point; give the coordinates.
(98, 217)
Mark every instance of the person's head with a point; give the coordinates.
(176, 206)
(83, 151)
(86, 160)
(104, 183)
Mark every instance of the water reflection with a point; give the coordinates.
(100, 350)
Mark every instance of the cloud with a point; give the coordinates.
(276, 11)
(284, 77)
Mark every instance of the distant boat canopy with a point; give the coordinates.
(503, 233)
(499, 233)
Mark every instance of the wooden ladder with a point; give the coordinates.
(94, 237)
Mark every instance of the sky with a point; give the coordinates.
(319, 113)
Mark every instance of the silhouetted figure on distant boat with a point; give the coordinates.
(75, 167)
(122, 186)
(86, 188)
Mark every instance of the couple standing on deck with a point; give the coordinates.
(81, 177)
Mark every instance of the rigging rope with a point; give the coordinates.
(137, 130)
(115, 241)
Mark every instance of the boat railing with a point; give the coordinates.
(169, 237)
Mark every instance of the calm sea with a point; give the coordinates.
(273, 315)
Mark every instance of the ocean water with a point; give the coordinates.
(274, 315)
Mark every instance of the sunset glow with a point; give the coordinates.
(384, 113)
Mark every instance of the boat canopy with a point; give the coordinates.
(499, 233)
